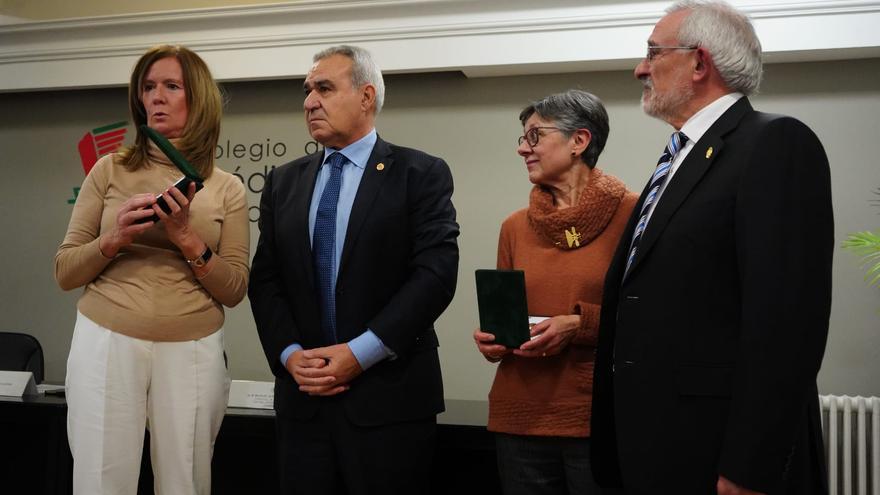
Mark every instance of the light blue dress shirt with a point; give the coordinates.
(367, 348)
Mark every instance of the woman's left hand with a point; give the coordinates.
(176, 223)
(550, 336)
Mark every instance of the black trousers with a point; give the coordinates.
(329, 455)
(542, 465)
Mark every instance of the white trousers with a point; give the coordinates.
(118, 385)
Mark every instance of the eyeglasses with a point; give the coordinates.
(654, 51)
(532, 136)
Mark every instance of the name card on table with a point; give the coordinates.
(17, 383)
(250, 394)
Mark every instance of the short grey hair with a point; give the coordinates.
(572, 110)
(363, 69)
(729, 37)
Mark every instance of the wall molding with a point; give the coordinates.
(477, 37)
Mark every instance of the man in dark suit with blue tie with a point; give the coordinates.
(716, 306)
(357, 258)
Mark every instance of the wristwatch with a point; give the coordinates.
(202, 259)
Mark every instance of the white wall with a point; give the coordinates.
(480, 38)
(470, 122)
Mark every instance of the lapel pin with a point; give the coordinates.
(380, 167)
(709, 152)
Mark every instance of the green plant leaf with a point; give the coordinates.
(867, 245)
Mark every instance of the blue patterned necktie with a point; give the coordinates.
(324, 246)
(661, 173)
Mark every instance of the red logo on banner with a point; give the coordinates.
(99, 142)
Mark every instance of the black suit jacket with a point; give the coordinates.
(397, 274)
(709, 348)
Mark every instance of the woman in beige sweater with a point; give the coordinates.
(147, 348)
(539, 404)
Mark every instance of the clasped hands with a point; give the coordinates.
(324, 371)
(549, 338)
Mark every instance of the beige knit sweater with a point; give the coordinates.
(551, 396)
(148, 291)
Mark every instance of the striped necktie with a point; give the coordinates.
(661, 173)
(324, 246)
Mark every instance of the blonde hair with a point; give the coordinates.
(204, 110)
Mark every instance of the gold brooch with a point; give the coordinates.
(573, 237)
(380, 167)
(709, 152)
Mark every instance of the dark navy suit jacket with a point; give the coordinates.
(709, 348)
(396, 275)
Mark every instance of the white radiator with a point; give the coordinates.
(851, 428)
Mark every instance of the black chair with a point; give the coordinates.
(21, 352)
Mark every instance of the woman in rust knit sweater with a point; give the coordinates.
(539, 404)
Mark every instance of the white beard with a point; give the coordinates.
(665, 106)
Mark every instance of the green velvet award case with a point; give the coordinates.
(501, 299)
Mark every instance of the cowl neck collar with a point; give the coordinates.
(576, 226)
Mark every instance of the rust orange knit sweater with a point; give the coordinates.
(564, 274)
